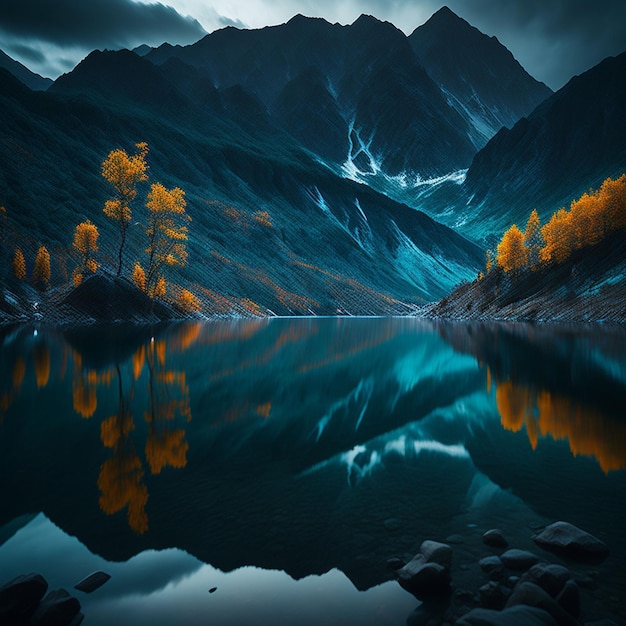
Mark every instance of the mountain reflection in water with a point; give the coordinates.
(308, 445)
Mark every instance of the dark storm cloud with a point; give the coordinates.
(28, 52)
(96, 23)
(553, 39)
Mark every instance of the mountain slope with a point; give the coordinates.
(589, 286)
(570, 143)
(480, 77)
(273, 230)
(30, 79)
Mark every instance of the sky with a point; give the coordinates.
(552, 39)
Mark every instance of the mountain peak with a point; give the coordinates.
(23, 74)
(298, 18)
(446, 19)
(483, 77)
(445, 12)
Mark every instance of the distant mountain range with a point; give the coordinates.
(327, 168)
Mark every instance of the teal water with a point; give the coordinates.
(284, 461)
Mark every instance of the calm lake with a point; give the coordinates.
(284, 461)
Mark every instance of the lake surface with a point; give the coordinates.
(284, 461)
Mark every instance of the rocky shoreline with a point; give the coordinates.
(588, 287)
(518, 587)
(515, 587)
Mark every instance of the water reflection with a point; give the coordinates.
(587, 431)
(315, 443)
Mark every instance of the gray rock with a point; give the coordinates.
(492, 566)
(493, 596)
(20, 597)
(519, 559)
(395, 563)
(569, 598)
(58, 608)
(495, 537)
(92, 582)
(571, 540)
(435, 552)
(423, 579)
(533, 595)
(455, 538)
(392, 524)
(514, 616)
(549, 577)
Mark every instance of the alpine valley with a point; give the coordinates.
(328, 169)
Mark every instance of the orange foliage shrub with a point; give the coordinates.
(512, 253)
(591, 218)
(41, 272)
(19, 265)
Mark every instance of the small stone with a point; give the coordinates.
(514, 616)
(395, 563)
(495, 537)
(512, 580)
(550, 577)
(436, 552)
(20, 597)
(533, 595)
(92, 582)
(492, 566)
(493, 596)
(58, 608)
(519, 559)
(569, 598)
(570, 540)
(423, 579)
(455, 538)
(462, 595)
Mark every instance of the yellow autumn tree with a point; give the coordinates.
(139, 276)
(167, 234)
(559, 236)
(511, 252)
(612, 201)
(187, 301)
(533, 239)
(586, 220)
(86, 243)
(124, 172)
(41, 271)
(19, 264)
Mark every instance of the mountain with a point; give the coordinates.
(311, 154)
(479, 76)
(273, 229)
(360, 97)
(21, 72)
(571, 142)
